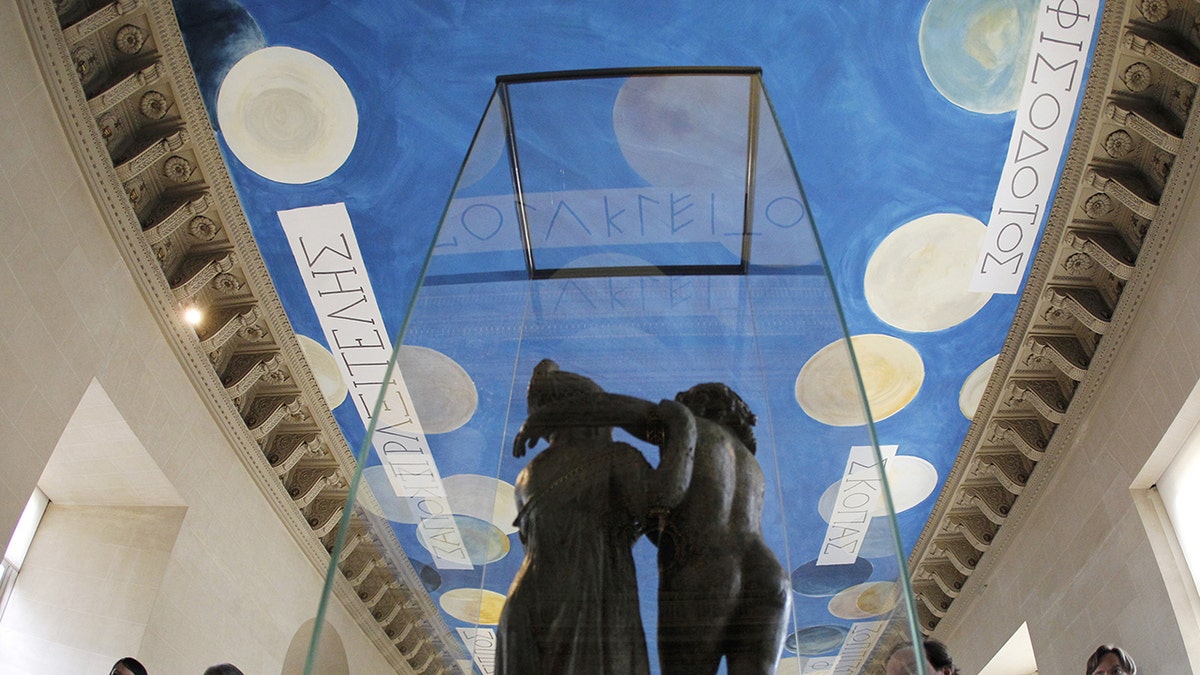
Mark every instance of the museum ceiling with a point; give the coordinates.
(915, 148)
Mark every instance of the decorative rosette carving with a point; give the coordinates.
(1078, 263)
(1118, 144)
(1098, 205)
(226, 283)
(153, 105)
(203, 228)
(1154, 10)
(129, 39)
(177, 169)
(1138, 76)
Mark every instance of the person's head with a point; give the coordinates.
(939, 657)
(717, 402)
(903, 661)
(1111, 660)
(223, 669)
(128, 666)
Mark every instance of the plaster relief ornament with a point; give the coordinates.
(203, 228)
(86, 64)
(135, 190)
(1118, 144)
(1078, 263)
(1160, 165)
(226, 283)
(1154, 10)
(1138, 77)
(1179, 99)
(1098, 205)
(109, 125)
(177, 169)
(129, 39)
(153, 105)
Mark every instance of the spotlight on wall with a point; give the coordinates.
(192, 315)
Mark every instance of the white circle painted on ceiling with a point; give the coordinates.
(442, 392)
(917, 278)
(975, 52)
(287, 115)
(325, 370)
(483, 497)
(910, 479)
(972, 390)
(892, 373)
(685, 131)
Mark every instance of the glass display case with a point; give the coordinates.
(644, 229)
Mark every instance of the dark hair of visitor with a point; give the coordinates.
(719, 403)
(1104, 650)
(939, 656)
(133, 665)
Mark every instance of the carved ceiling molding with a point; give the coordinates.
(1131, 161)
(123, 86)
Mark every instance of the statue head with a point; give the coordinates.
(549, 384)
(716, 402)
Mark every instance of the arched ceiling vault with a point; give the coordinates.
(1117, 203)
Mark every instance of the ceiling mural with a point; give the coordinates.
(899, 118)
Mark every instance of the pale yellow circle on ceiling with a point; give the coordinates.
(473, 605)
(917, 278)
(910, 480)
(443, 394)
(484, 498)
(892, 373)
(864, 601)
(483, 541)
(325, 370)
(973, 387)
(287, 115)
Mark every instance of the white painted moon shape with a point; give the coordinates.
(484, 498)
(865, 600)
(892, 373)
(917, 278)
(387, 504)
(687, 131)
(325, 370)
(975, 51)
(473, 605)
(973, 387)
(911, 479)
(442, 392)
(287, 115)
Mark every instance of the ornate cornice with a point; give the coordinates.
(122, 83)
(1132, 157)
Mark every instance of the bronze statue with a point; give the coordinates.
(573, 607)
(722, 592)
(585, 499)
